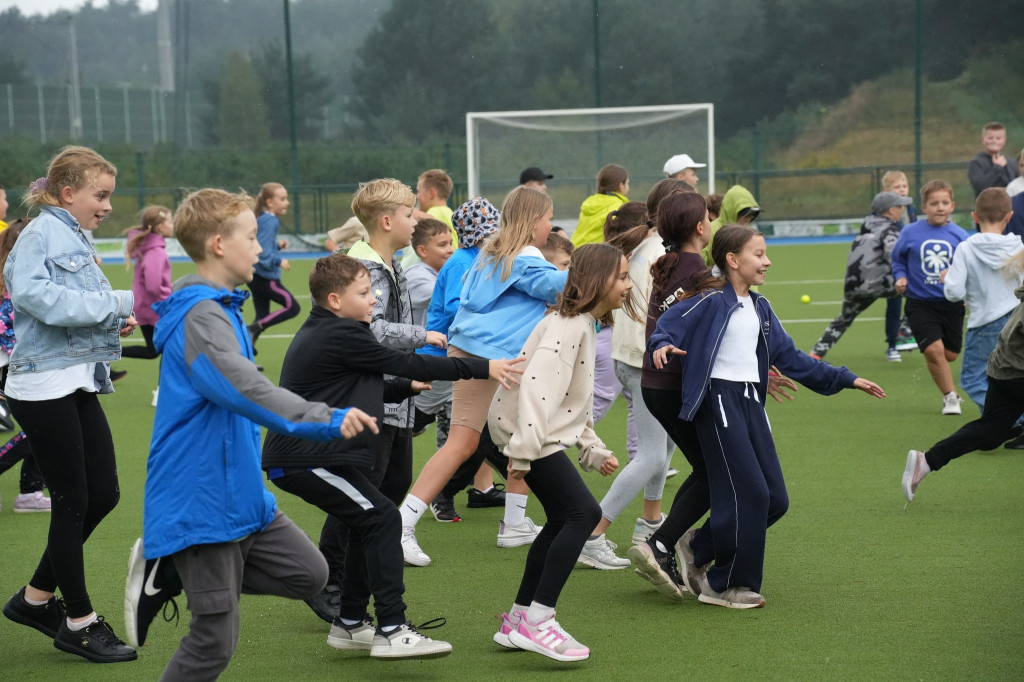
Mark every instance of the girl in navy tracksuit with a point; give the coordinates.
(729, 336)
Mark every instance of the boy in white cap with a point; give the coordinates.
(683, 167)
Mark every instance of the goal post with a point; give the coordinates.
(574, 144)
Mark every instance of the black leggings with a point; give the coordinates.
(693, 499)
(17, 450)
(1004, 402)
(572, 512)
(147, 352)
(73, 447)
(263, 292)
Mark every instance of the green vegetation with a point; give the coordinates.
(859, 585)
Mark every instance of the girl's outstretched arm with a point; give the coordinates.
(869, 387)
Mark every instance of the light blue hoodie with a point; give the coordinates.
(497, 315)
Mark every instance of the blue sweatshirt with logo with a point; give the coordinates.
(921, 253)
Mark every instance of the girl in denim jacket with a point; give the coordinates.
(69, 321)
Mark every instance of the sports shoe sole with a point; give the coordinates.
(503, 640)
(506, 542)
(133, 586)
(435, 650)
(716, 601)
(437, 516)
(527, 644)
(647, 567)
(908, 475)
(595, 563)
(348, 644)
(78, 651)
(29, 510)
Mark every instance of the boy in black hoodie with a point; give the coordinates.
(335, 358)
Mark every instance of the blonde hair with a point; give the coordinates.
(519, 214)
(149, 218)
(439, 181)
(73, 167)
(267, 192)
(203, 214)
(377, 197)
(890, 178)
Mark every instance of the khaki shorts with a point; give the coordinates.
(471, 398)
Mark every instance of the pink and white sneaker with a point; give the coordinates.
(509, 622)
(32, 503)
(548, 639)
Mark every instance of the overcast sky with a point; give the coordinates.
(32, 7)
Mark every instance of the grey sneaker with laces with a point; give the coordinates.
(406, 641)
(358, 637)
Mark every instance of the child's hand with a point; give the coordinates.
(609, 465)
(777, 382)
(283, 244)
(901, 285)
(660, 356)
(942, 275)
(285, 265)
(420, 386)
(437, 339)
(517, 474)
(503, 371)
(355, 421)
(869, 387)
(129, 326)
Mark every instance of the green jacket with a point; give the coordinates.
(1007, 360)
(735, 200)
(593, 212)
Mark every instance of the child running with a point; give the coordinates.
(271, 203)
(729, 337)
(504, 296)
(69, 320)
(210, 526)
(551, 411)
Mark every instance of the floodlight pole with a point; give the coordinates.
(597, 72)
(917, 95)
(291, 115)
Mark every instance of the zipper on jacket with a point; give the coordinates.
(718, 340)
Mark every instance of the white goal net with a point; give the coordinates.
(574, 144)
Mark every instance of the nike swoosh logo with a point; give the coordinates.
(149, 588)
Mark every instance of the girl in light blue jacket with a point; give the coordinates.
(505, 294)
(69, 322)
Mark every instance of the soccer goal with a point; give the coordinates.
(573, 145)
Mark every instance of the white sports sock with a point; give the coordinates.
(412, 509)
(75, 627)
(489, 489)
(33, 602)
(349, 621)
(515, 509)
(518, 608)
(538, 613)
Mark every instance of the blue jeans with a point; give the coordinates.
(979, 343)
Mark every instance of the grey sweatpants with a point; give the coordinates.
(280, 560)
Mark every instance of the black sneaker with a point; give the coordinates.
(1016, 443)
(495, 497)
(658, 568)
(6, 421)
(443, 508)
(96, 642)
(326, 603)
(151, 586)
(254, 333)
(46, 618)
(116, 374)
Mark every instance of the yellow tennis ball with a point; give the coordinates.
(805, 299)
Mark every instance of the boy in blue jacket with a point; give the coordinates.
(206, 507)
(923, 251)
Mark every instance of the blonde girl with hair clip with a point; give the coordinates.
(504, 296)
(69, 323)
(551, 411)
(271, 203)
(151, 280)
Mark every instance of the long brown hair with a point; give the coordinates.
(149, 218)
(678, 218)
(591, 267)
(628, 241)
(610, 178)
(729, 239)
(7, 239)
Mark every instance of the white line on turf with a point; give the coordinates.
(820, 320)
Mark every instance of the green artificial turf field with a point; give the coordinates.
(858, 584)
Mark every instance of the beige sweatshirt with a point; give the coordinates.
(628, 336)
(553, 407)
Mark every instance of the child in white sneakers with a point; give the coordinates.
(552, 411)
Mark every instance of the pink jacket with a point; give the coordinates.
(152, 280)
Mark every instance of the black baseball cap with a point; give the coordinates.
(533, 174)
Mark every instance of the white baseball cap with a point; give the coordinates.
(680, 162)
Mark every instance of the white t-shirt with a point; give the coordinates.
(737, 354)
(52, 384)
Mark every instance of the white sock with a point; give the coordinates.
(75, 627)
(388, 628)
(349, 621)
(412, 509)
(489, 489)
(515, 509)
(33, 602)
(538, 613)
(518, 608)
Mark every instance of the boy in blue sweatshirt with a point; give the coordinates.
(206, 508)
(923, 251)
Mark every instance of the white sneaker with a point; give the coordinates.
(414, 556)
(911, 477)
(358, 637)
(32, 503)
(644, 529)
(517, 536)
(405, 641)
(156, 393)
(599, 554)
(732, 598)
(951, 403)
(893, 355)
